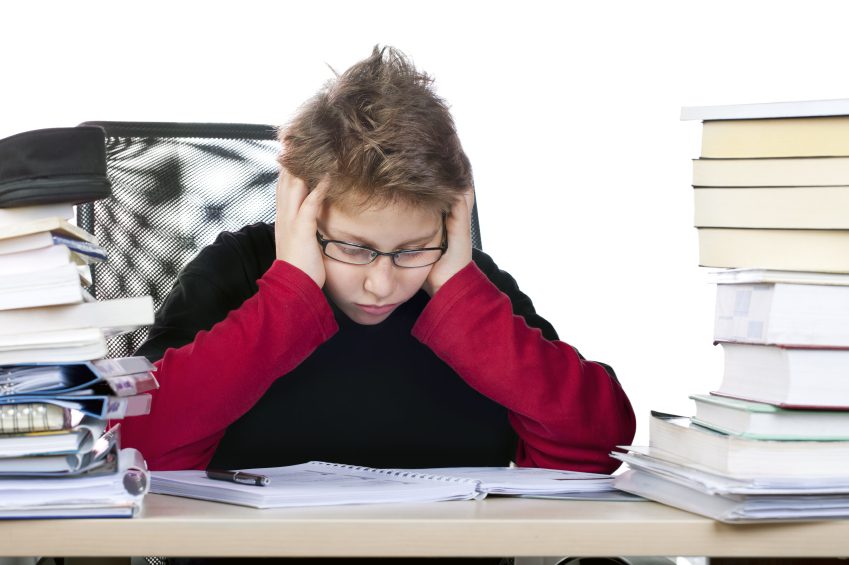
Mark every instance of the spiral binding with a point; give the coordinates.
(398, 473)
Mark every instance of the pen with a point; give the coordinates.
(238, 477)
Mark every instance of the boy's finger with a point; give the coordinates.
(311, 204)
(291, 193)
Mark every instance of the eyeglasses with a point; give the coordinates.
(354, 254)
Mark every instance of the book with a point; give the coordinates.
(791, 250)
(41, 259)
(48, 287)
(23, 214)
(112, 317)
(43, 239)
(784, 313)
(61, 346)
(734, 508)
(821, 136)
(789, 207)
(78, 439)
(319, 483)
(758, 420)
(750, 276)
(37, 417)
(796, 109)
(786, 376)
(809, 171)
(54, 225)
(745, 458)
(119, 494)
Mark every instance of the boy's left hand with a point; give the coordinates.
(458, 224)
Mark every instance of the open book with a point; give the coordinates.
(318, 483)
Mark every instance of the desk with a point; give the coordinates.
(494, 526)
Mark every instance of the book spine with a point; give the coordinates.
(33, 417)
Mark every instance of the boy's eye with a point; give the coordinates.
(355, 251)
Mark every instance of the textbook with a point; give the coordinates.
(56, 285)
(758, 420)
(786, 207)
(812, 311)
(55, 225)
(113, 317)
(797, 377)
(43, 239)
(740, 457)
(21, 214)
(42, 259)
(792, 250)
(319, 483)
(825, 136)
(793, 109)
(61, 346)
(78, 439)
(809, 171)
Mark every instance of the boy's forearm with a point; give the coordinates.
(568, 412)
(209, 383)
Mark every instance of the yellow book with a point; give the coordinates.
(800, 207)
(810, 171)
(790, 250)
(778, 137)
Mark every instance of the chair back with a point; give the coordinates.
(175, 187)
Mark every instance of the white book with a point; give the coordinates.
(795, 377)
(41, 259)
(806, 108)
(114, 317)
(782, 313)
(56, 285)
(749, 276)
(76, 440)
(23, 214)
(52, 347)
(54, 225)
(319, 483)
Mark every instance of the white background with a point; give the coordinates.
(569, 112)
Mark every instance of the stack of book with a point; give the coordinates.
(772, 207)
(57, 392)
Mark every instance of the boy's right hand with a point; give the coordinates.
(295, 225)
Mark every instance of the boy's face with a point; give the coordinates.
(368, 294)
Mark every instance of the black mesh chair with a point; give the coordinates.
(175, 187)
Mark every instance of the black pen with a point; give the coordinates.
(238, 477)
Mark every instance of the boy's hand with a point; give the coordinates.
(295, 225)
(458, 224)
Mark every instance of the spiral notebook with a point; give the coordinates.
(319, 483)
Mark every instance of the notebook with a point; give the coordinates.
(320, 483)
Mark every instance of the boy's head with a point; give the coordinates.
(380, 135)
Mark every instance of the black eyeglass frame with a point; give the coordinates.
(375, 253)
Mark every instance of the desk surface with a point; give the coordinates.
(494, 526)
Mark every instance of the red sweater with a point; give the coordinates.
(568, 413)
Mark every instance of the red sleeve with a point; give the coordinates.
(568, 413)
(209, 383)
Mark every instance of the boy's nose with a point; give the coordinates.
(380, 278)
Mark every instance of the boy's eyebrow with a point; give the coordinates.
(345, 236)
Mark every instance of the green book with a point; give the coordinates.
(758, 420)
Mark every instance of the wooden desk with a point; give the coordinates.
(491, 527)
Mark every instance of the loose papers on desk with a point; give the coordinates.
(319, 483)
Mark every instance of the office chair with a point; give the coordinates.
(175, 187)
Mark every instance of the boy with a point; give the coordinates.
(362, 327)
